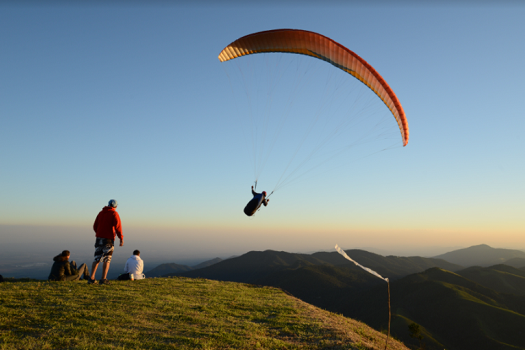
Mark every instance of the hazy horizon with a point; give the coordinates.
(157, 244)
(27, 251)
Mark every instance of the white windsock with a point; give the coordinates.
(342, 252)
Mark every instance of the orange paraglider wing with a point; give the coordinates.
(318, 46)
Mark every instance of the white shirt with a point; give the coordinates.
(135, 265)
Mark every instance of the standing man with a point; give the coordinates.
(106, 226)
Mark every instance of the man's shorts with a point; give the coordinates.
(103, 249)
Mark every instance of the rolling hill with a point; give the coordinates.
(255, 266)
(454, 312)
(518, 263)
(501, 278)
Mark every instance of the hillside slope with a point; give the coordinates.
(501, 278)
(456, 313)
(171, 313)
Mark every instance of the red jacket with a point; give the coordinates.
(107, 224)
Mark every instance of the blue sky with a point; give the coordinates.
(130, 102)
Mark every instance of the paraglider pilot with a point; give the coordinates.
(255, 203)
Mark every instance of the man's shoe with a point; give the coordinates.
(90, 281)
(104, 281)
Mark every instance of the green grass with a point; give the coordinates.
(171, 313)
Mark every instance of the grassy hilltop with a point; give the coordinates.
(171, 313)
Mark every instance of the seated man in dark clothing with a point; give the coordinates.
(255, 203)
(63, 270)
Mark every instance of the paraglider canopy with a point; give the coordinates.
(321, 47)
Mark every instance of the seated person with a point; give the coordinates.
(134, 266)
(63, 270)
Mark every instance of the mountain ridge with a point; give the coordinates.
(481, 255)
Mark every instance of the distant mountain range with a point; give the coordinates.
(483, 255)
(456, 307)
(172, 268)
(254, 266)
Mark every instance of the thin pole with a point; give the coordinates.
(389, 315)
